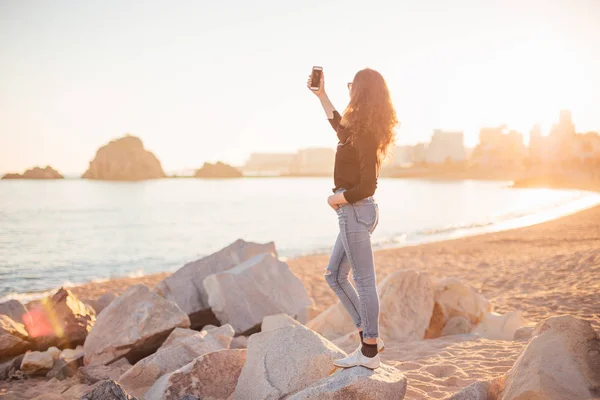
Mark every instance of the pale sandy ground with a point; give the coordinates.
(545, 270)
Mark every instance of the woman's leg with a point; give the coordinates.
(337, 278)
(356, 238)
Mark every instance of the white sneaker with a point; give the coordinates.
(357, 358)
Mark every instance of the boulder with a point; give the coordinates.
(133, 326)
(277, 321)
(500, 327)
(71, 354)
(124, 159)
(54, 352)
(406, 305)
(178, 335)
(91, 374)
(481, 390)
(9, 368)
(101, 302)
(307, 314)
(283, 361)
(139, 378)
(524, 333)
(108, 390)
(60, 320)
(218, 170)
(13, 309)
(14, 339)
(458, 299)
(333, 323)
(64, 369)
(36, 173)
(561, 361)
(357, 383)
(212, 376)
(457, 326)
(436, 323)
(185, 287)
(262, 285)
(37, 363)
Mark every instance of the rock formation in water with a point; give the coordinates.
(218, 170)
(36, 173)
(124, 159)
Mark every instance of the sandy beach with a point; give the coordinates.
(544, 270)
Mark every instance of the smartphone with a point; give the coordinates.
(317, 73)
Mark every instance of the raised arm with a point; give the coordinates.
(332, 115)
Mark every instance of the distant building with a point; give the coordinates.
(269, 163)
(409, 155)
(586, 147)
(446, 146)
(313, 161)
(559, 143)
(499, 147)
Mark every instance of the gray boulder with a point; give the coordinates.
(13, 309)
(133, 326)
(108, 390)
(185, 287)
(284, 361)
(361, 383)
(14, 339)
(212, 376)
(261, 286)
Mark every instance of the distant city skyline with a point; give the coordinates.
(204, 83)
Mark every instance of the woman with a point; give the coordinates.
(365, 133)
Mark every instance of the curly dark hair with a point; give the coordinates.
(370, 111)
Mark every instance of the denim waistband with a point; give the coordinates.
(367, 200)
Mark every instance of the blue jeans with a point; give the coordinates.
(353, 250)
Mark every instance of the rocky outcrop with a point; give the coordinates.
(13, 309)
(562, 361)
(284, 361)
(185, 287)
(60, 320)
(212, 376)
(406, 304)
(37, 363)
(124, 159)
(133, 326)
(36, 173)
(277, 321)
(357, 383)
(218, 170)
(139, 378)
(458, 299)
(14, 339)
(262, 285)
(481, 390)
(500, 327)
(108, 390)
(101, 302)
(457, 326)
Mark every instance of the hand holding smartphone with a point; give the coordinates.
(316, 81)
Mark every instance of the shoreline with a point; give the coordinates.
(119, 284)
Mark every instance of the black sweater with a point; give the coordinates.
(356, 163)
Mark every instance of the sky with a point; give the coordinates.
(202, 81)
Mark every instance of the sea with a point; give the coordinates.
(67, 232)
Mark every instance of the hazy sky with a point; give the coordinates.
(207, 80)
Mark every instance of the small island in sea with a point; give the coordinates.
(36, 173)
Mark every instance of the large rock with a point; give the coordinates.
(101, 302)
(459, 299)
(357, 383)
(14, 339)
(124, 159)
(60, 320)
(212, 376)
(562, 361)
(277, 321)
(218, 170)
(185, 287)
(261, 286)
(64, 369)
(139, 378)
(406, 306)
(71, 354)
(9, 368)
(36, 173)
(457, 326)
(133, 326)
(13, 309)
(108, 390)
(495, 326)
(37, 363)
(178, 335)
(283, 361)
